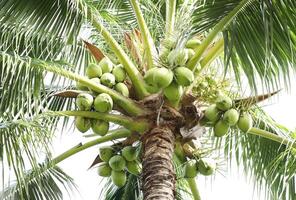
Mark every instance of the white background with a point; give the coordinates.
(227, 186)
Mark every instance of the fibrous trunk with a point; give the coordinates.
(158, 171)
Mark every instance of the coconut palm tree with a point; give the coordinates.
(195, 71)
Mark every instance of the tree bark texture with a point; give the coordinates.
(158, 176)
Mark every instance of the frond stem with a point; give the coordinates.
(193, 188)
(170, 17)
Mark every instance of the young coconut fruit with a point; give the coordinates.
(192, 43)
(223, 102)
(169, 43)
(104, 170)
(118, 178)
(100, 127)
(96, 81)
(184, 76)
(84, 101)
(129, 153)
(162, 77)
(190, 53)
(106, 65)
(149, 75)
(206, 166)
(106, 153)
(178, 57)
(221, 128)
(82, 124)
(205, 122)
(108, 80)
(134, 167)
(122, 89)
(190, 169)
(119, 73)
(163, 56)
(245, 122)
(212, 113)
(103, 103)
(231, 116)
(173, 92)
(93, 70)
(117, 163)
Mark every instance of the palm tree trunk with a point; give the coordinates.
(158, 171)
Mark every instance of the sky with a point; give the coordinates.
(230, 186)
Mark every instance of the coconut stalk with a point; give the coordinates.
(131, 69)
(127, 122)
(148, 42)
(201, 49)
(158, 176)
(170, 17)
(194, 189)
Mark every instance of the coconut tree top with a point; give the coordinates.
(171, 83)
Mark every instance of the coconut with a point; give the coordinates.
(106, 65)
(84, 101)
(122, 89)
(169, 43)
(96, 81)
(221, 128)
(163, 56)
(93, 70)
(82, 124)
(134, 167)
(190, 53)
(104, 170)
(162, 77)
(103, 103)
(178, 57)
(129, 153)
(108, 80)
(118, 178)
(212, 113)
(119, 73)
(117, 163)
(106, 153)
(190, 169)
(173, 92)
(80, 86)
(100, 127)
(231, 116)
(192, 43)
(245, 122)
(223, 102)
(184, 76)
(206, 166)
(149, 76)
(205, 122)
(152, 89)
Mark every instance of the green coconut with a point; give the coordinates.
(204, 121)
(206, 166)
(119, 73)
(245, 122)
(82, 124)
(231, 116)
(134, 167)
(108, 80)
(118, 178)
(190, 169)
(84, 101)
(221, 128)
(173, 92)
(163, 56)
(162, 77)
(178, 57)
(117, 163)
(169, 43)
(192, 43)
(103, 103)
(106, 153)
(106, 65)
(122, 89)
(223, 102)
(104, 170)
(100, 127)
(96, 81)
(93, 70)
(184, 76)
(212, 113)
(190, 53)
(129, 153)
(152, 89)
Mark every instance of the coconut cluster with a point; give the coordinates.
(204, 166)
(222, 115)
(175, 75)
(117, 164)
(105, 73)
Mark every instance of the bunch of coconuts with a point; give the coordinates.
(116, 164)
(222, 115)
(175, 76)
(204, 166)
(109, 75)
